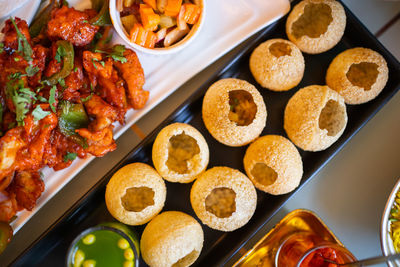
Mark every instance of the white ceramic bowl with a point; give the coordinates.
(116, 20)
(386, 240)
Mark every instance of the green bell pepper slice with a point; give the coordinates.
(70, 118)
(103, 17)
(68, 64)
(42, 19)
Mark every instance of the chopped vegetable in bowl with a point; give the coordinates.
(158, 23)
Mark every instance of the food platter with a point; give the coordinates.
(212, 41)
(219, 247)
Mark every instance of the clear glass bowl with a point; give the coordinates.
(113, 227)
(300, 248)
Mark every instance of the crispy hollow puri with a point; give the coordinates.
(216, 110)
(277, 64)
(315, 117)
(319, 38)
(283, 159)
(337, 75)
(135, 175)
(224, 177)
(162, 146)
(172, 238)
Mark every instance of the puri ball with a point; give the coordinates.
(315, 117)
(234, 112)
(277, 64)
(135, 194)
(358, 74)
(273, 164)
(223, 198)
(316, 26)
(180, 153)
(172, 238)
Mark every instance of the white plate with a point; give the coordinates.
(26, 11)
(227, 23)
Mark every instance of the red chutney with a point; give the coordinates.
(316, 258)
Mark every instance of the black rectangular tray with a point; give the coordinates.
(51, 247)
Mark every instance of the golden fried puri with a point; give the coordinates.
(315, 117)
(358, 74)
(234, 112)
(172, 238)
(277, 64)
(135, 194)
(180, 153)
(223, 198)
(273, 164)
(316, 26)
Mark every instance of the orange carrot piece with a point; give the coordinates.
(151, 3)
(151, 40)
(149, 19)
(172, 8)
(142, 37)
(192, 13)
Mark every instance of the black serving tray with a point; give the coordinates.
(51, 247)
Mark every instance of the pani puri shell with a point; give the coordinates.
(273, 164)
(315, 117)
(180, 153)
(277, 64)
(223, 198)
(135, 194)
(316, 26)
(358, 74)
(234, 112)
(172, 238)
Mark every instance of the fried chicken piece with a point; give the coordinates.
(27, 187)
(57, 148)
(10, 144)
(133, 75)
(71, 25)
(10, 33)
(99, 142)
(53, 66)
(104, 113)
(96, 67)
(113, 91)
(8, 206)
(6, 182)
(32, 157)
(74, 82)
(39, 56)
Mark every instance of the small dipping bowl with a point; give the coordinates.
(103, 246)
(119, 28)
(306, 250)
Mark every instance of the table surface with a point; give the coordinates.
(349, 194)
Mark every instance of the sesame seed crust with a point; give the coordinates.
(161, 146)
(246, 197)
(277, 73)
(169, 237)
(135, 175)
(282, 156)
(216, 108)
(301, 119)
(328, 39)
(336, 77)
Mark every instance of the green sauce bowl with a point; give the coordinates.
(108, 244)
